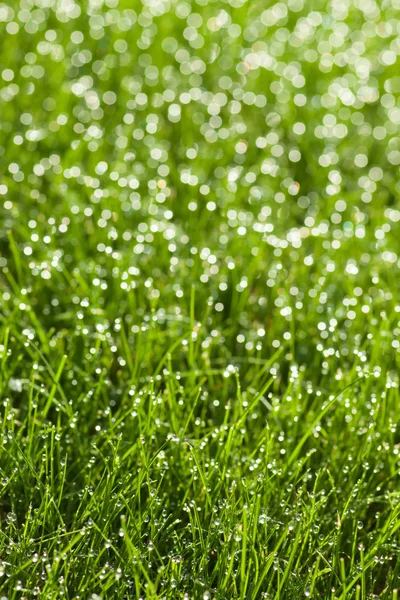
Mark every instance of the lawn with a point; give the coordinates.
(199, 312)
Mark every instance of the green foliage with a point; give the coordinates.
(199, 323)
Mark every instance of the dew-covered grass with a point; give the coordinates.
(199, 312)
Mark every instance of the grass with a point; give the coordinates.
(199, 317)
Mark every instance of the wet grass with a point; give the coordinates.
(199, 317)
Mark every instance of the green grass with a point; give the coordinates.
(199, 314)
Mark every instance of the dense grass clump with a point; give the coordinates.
(199, 313)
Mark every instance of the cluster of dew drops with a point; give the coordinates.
(184, 141)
